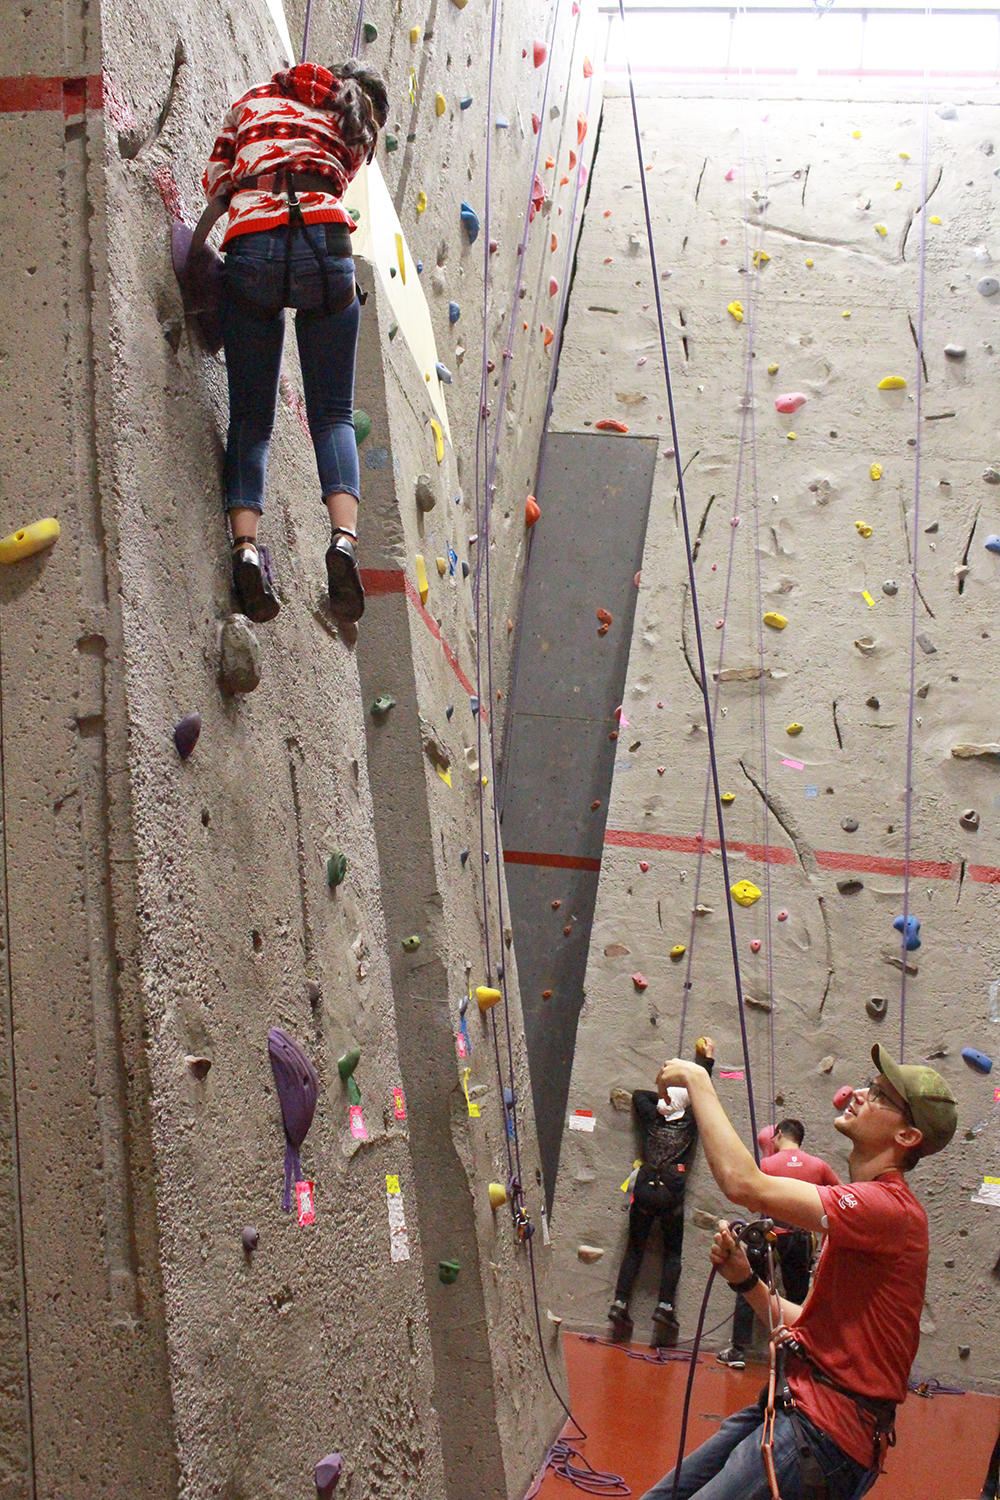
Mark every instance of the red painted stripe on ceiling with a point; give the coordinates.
(32, 92)
(550, 861)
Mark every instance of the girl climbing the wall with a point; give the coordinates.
(287, 151)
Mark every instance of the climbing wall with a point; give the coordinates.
(163, 911)
(788, 236)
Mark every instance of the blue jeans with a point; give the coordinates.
(253, 326)
(730, 1466)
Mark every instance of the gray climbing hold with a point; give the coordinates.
(987, 286)
(947, 112)
(976, 752)
(383, 703)
(199, 1066)
(876, 1007)
(986, 147)
(992, 543)
(443, 373)
(890, 586)
(923, 690)
(849, 825)
(970, 819)
(925, 643)
(239, 656)
(250, 1238)
(954, 351)
(501, 123)
(426, 498)
(991, 476)
(872, 702)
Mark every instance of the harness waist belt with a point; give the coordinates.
(281, 182)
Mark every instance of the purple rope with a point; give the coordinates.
(356, 46)
(305, 29)
(693, 586)
(913, 576)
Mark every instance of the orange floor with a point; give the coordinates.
(631, 1412)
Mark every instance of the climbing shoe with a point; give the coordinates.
(347, 597)
(733, 1357)
(621, 1323)
(665, 1326)
(253, 580)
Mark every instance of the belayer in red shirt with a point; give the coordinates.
(793, 1246)
(847, 1351)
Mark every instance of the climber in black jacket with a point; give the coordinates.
(670, 1136)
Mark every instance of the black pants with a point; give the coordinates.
(652, 1204)
(794, 1252)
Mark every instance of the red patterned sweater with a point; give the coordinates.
(290, 124)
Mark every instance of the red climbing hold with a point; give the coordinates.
(532, 511)
(553, 286)
(644, 865)
(640, 981)
(537, 197)
(595, 804)
(604, 616)
(610, 424)
(588, 68)
(572, 159)
(581, 128)
(541, 52)
(536, 124)
(842, 1097)
(553, 244)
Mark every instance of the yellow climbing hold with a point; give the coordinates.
(421, 201)
(791, 436)
(414, 35)
(856, 135)
(442, 566)
(744, 893)
(760, 258)
(486, 997)
(727, 797)
(29, 540)
(904, 156)
(678, 951)
(421, 570)
(498, 1195)
(810, 264)
(846, 313)
(776, 621)
(875, 472)
(440, 105)
(413, 87)
(438, 440)
(934, 219)
(793, 729)
(896, 186)
(735, 310)
(881, 229)
(862, 528)
(772, 369)
(892, 383)
(401, 258)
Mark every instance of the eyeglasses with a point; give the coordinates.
(874, 1092)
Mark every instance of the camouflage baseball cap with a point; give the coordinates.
(932, 1103)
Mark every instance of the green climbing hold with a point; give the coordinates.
(411, 944)
(346, 1064)
(369, 31)
(355, 214)
(392, 143)
(393, 330)
(362, 425)
(383, 703)
(336, 869)
(448, 1271)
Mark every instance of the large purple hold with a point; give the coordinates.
(297, 1084)
(186, 733)
(328, 1471)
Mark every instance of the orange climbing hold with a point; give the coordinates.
(549, 336)
(610, 424)
(553, 244)
(572, 159)
(588, 68)
(549, 163)
(604, 616)
(532, 511)
(563, 181)
(581, 128)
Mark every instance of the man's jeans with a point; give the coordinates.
(730, 1466)
(253, 325)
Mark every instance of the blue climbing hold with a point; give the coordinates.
(992, 544)
(454, 312)
(464, 103)
(463, 856)
(443, 373)
(452, 561)
(420, 268)
(501, 123)
(977, 1060)
(909, 927)
(474, 704)
(470, 223)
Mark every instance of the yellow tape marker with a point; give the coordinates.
(444, 775)
(422, 584)
(473, 1106)
(868, 598)
(438, 440)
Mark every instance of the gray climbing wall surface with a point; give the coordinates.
(808, 215)
(160, 914)
(575, 631)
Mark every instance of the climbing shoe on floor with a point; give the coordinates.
(621, 1323)
(665, 1326)
(347, 597)
(733, 1357)
(253, 580)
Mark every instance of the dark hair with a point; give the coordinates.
(794, 1128)
(363, 103)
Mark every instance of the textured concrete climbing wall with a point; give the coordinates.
(157, 910)
(828, 315)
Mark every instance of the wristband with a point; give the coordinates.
(747, 1284)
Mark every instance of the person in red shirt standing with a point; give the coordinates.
(793, 1246)
(850, 1347)
(284, 157)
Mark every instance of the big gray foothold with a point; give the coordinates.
(954, 351)
(876, 1007)
(991, 476)
(947, 112)
(849, 825)
(890, 586)
(925, 643)
(239, 655)
(970, 819)
(426, 498)
(987, 286)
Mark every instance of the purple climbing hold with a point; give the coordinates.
(297, 1085)
(250, 1238)
(186, 734)
(992, 543)
(327, 1473)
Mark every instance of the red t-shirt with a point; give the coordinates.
(861, 1320)
(800, 1164)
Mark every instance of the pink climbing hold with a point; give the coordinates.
(553, 286)
(730, 174)
(640, 981)
(541, 52)
(842, 1097)
(644, 865)
(581, 128)
(755, 945)
(782, 915)
(790, 402)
